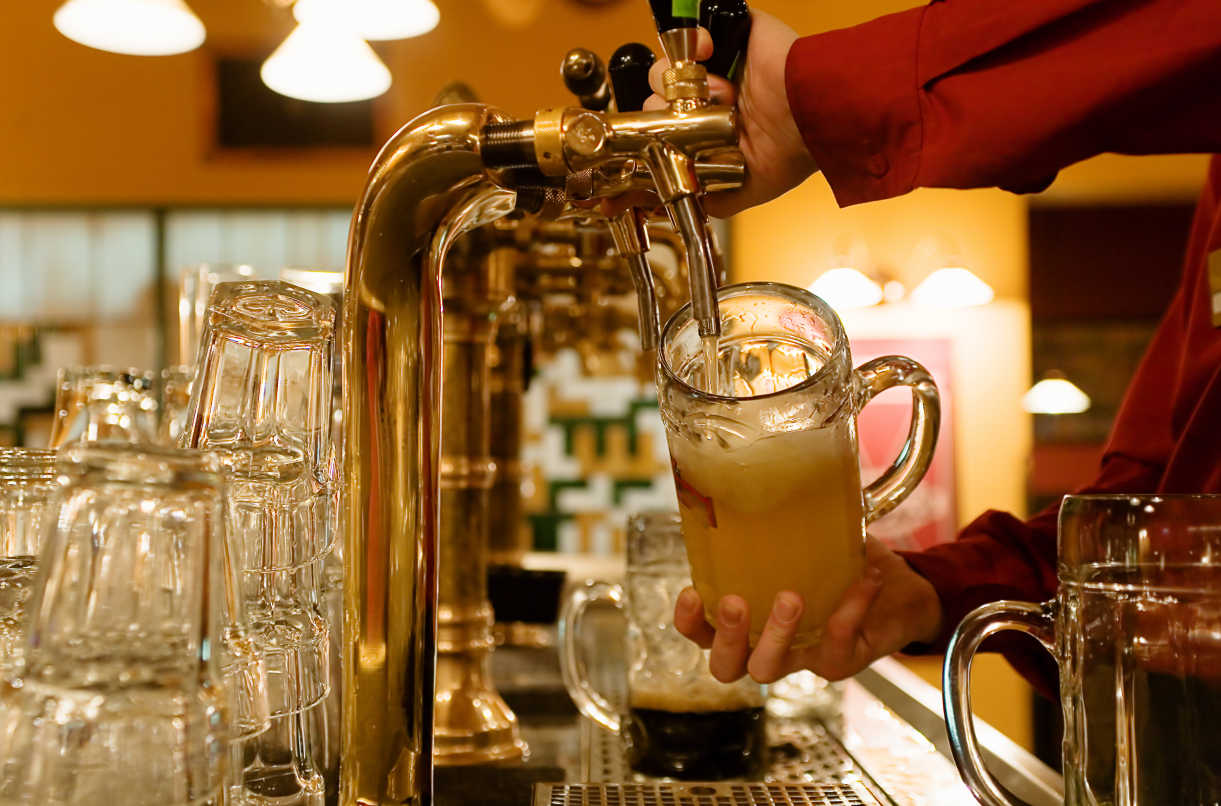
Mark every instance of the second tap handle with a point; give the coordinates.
(728, 23)
(585, 77)
(629, 75)
(671, 14)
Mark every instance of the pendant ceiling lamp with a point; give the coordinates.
(327, 64)
(133, 27)
(374, 20)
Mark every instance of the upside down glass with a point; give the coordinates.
(29, 502)
(118, 698)
(767, 469)
(679, 721)
(1136, 629)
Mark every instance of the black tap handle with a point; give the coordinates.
(671, 14)
(629, 75)
(585, 76)
(728, 22)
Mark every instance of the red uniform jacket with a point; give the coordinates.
(980, 93)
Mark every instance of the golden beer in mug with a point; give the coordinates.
(766, 462)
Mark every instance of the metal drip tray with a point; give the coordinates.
(700, 794)
(801, 752)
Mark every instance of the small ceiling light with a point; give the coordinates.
(375, 20)
(1055, 394)
(952, 288)
(847, 288)
(326, 64)
(132, 27)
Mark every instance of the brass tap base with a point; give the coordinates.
(473, 725)
(521, 634)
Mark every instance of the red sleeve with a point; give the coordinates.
(998, 556)
(976, 93)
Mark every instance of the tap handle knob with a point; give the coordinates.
(585, 77)
(728, 23)
(629, 75)
(671, 14)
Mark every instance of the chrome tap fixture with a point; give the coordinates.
(449, 171)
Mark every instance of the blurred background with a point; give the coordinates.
(119, 171)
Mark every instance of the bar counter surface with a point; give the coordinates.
(880, 739)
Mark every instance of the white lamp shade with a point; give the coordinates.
(847, 288)
(375, 20)
(325, 64)
(133, 27)
(1055, 396)
(952, 288)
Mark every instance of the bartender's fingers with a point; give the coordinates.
(772, 659)
(844, 649)
(689, 619)
(731, 646)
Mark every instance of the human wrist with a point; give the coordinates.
(930, 619)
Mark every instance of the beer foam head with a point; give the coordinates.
(694, 693)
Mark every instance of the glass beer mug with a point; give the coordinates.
(766, 466)
(1136, 629)
(679, 721)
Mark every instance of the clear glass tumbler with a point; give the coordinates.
(195, 286)
(104, 404)
(767, 468)
(119, 698)
(1136, 630)
(262, 398)
(29, 500)
(678, 720)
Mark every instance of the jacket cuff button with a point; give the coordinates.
(878, 165)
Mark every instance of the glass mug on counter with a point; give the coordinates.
(1136, 629)
(679, 722)
(767, 468)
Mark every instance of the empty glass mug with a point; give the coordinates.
(678, 721)
(767, 469)
(1136, 629)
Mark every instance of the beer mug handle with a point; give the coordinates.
(876, 376)
(572, 664)
(1033, 619)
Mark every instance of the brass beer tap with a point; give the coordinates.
(449, 171)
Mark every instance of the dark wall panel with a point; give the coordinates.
(1106, 262)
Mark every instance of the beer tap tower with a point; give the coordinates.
(451, 170)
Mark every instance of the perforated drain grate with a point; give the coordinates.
(712, 794)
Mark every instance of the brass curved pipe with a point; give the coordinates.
(427, 186)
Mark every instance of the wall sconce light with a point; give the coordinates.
(131, 27)
(952, 288)
(327, 64)
(373, 20)
(1055, 394)
(847, 288)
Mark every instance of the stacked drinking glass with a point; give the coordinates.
(261, 399)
